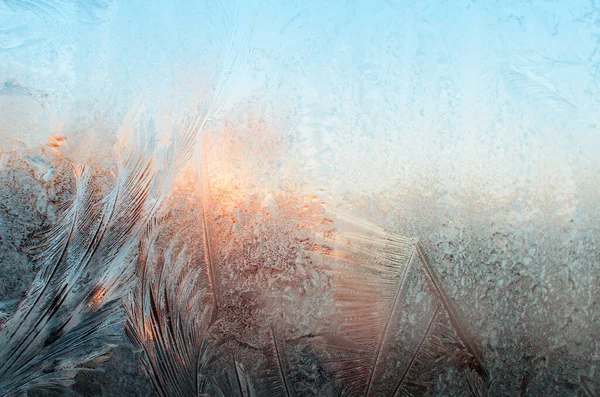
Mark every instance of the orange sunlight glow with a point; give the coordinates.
(98, 298)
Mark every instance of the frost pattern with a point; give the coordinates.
(363, 198)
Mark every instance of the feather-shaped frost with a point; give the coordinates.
(542, 92)
(87, 10)
(73, 306)
(392, 305)
(235, 382)
(170, 309)
(169, 316)
(274, 380)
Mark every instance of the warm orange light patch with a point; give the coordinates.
(148, 332)
(98, 298)
(55, 143)
(244, 157)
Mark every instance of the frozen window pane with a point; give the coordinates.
(285, 198)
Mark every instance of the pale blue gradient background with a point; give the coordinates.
(376, 91)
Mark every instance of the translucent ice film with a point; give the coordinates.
(248, 198)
